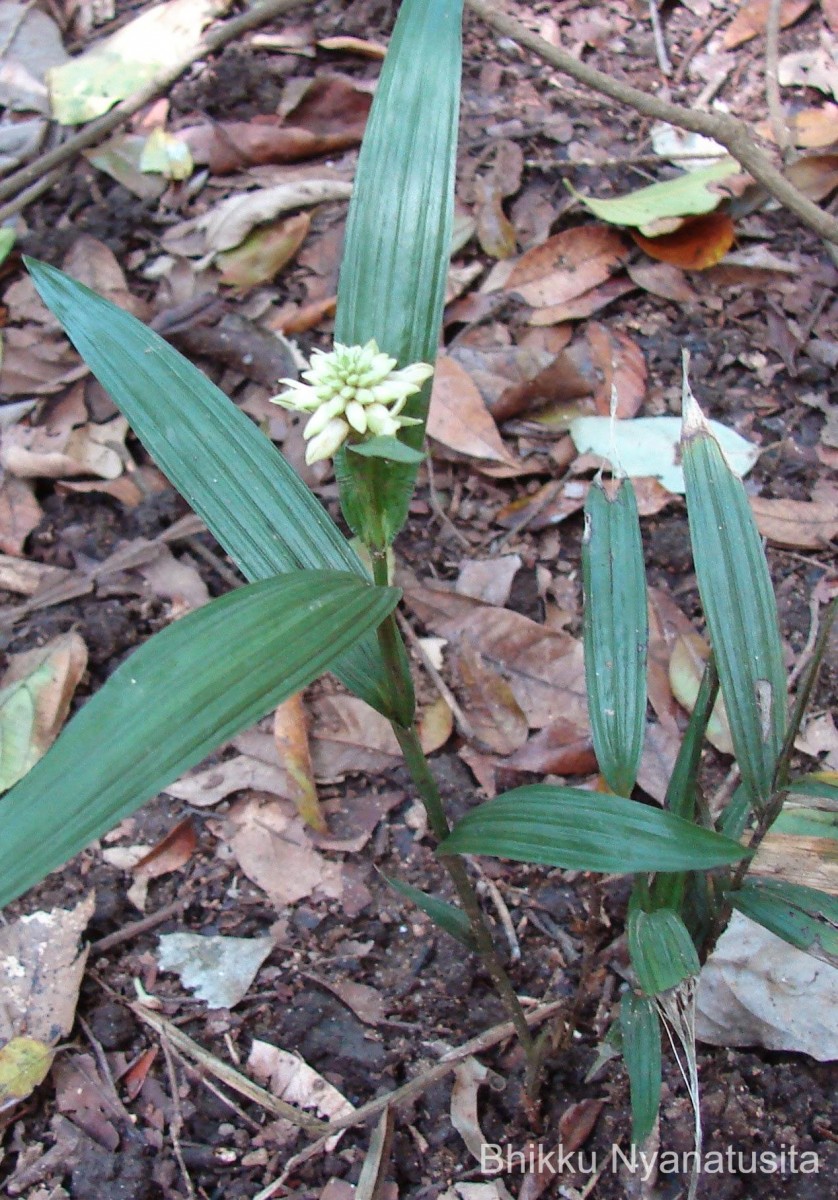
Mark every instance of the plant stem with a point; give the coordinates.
(426, 785)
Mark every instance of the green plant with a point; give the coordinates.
(311, 605)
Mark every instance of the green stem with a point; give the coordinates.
(426, 785)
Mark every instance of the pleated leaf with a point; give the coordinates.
(640, 1026)
(186, 691)
(587, 831)
(802, 916)
(398, 236)
(661, 949)
(821, 785)
(453, 920)
(233, 476)
(738, 603)
(616, 632)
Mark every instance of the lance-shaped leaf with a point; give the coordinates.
(232, 475)
(398, 237)
(661, 949)
(587, 831)
(185, 692)
(738, 603)
(616, 632)
(640, 1026)
(802, 916)
(453, 920)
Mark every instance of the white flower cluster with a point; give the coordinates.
(352, 389)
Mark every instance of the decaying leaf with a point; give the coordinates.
(686, 666)
(698, 242)
(20, 512)
(35, 697)
(42, 973)
(38, 452)
(468, 1076)
(293, 1080)
(24, 1063)
(459, 418)
(801, 524)
(291, 737)
(757, 990)
(752, 16)
(567, 265)
(264, 252)
(219, 970)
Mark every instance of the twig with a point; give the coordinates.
(463, 723)
(135, 928)
(93, 132)
(411, 1089)
(664, 61)
(502, 911)
(776, 113)
(735, 135)
(176, 1121)
(806, 653)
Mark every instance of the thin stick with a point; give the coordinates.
(779, 126)
(664, 61)
(127, 932)
(96, 130)
(735, 135)
(414, 1087)
(463, 723)
(176, 1121)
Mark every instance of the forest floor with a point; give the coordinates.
(356, 983)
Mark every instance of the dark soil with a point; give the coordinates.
(570, 924)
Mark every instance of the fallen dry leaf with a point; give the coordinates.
(37, 364)
(43, 969)
(92, 263)
(89, 1101)
(24, 1063)
(294, 1081)
(584, 305)
(366, 1002)
(686, 667)
(800, 524)
(698, 243)
(20, 512)
(560, 748)
(38, 452)
(666, 624)
(354, 45)
(219, 970)
(494, 715)
(170, 854)
(290, 730)
(566, 265)
(543, 667)
(664, 280)
(488, 579)
(751, 18)
(622, 367)
(35, 697)
(459, 418)
(757, 990)
(263, 253)
(25, 577)
(811, 128)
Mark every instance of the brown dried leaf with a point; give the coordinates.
(468, 1076)
(561, 748)
(543, 667)
(43, 969)
(751, 18)
(263, 254)
(686, 666)
(622, 367)
(816, 176)
(92, 263)
(41, 452)
(459, 418)
(585, 305)
(664, 280)
(488, 579)
(354, 45)
(566, 265)
(698, 242)
(290, 730)
(86, 1099)
(291, 1079)
(496, 718)
(20, 512)
(801, 524)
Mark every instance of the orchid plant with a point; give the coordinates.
(311, 604)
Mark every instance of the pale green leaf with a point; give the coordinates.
(687, 195)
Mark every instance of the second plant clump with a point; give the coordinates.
(310, 604)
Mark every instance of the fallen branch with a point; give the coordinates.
(214, 40)
(734, 135)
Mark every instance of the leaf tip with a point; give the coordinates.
(692, 418)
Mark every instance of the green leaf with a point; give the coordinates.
(687, 195)
(822, 785)
(640, 1026)
(661, 949)
(185, 692)
(398, 237)
(587, 831)
(230, 473)
(616, 632)
(801, 916)
(389, 448)
(680, 792)
(453, 920)
(738, 603)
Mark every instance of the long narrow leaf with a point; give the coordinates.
(586, 831)
(616, 632)
(185, 692)
(802, 916)
(641, 1031)
(232, 475)
(398, 235)
(453, 920)
(738, 602)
